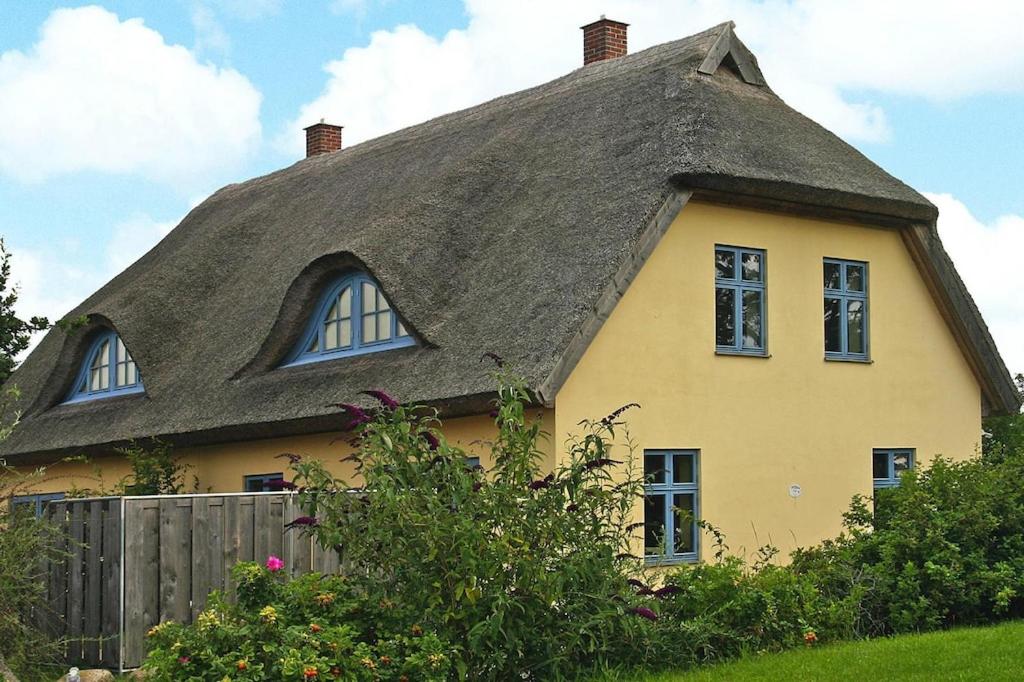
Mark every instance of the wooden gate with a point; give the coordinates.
(133, 562)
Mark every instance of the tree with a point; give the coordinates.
(1004, 434)
(15, 333)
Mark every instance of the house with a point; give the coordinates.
(658, 228)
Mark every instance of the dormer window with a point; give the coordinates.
(108, 370)
(353, 317)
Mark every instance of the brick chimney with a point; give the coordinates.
(322, 138)
(603, 39)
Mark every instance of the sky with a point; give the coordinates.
(118, 117)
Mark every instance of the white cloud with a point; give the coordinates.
(100, 94)
(988, 259)
(822, 57)
(210, 35)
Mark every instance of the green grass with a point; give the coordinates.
(989, 653)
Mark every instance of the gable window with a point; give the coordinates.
(739, 300)
(33, 504)
(353, 317)
(846, 309)
(261, 483)
(108, 370)
(670, 505)
(888, 464)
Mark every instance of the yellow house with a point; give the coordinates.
(658, 228)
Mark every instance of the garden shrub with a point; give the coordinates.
(311, 628)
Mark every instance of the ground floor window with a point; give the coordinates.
(34, 503)
(887, 464)
(671, 503)
(261, 483)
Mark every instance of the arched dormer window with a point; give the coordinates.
(352, 318)
(108, 370)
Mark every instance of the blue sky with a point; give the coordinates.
(117, 117)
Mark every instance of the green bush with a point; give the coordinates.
(311, 628)
(944, 548)
(524, 571)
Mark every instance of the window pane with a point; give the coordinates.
(752, 267)
(384, 325)
(369, 298)
(332, 313)
(131, 374)
(684, 513)
(654, 468)
(122, 374)
(880, 465)
(833, 343)
(752, 319)
(854, 277)
(331, 336)
(94, 379)
(725, 264)
(122, 353)
(855, 326)
(345, 303)
(901, 462)
(654, 525)
(102, 357)
(314, 344)
(401, 330)
(725, 316)
(682, 468)
(344, 333)
(369, 329)
(832, 278)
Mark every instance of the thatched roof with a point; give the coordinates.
(498, 228)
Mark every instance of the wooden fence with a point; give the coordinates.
(132, 562)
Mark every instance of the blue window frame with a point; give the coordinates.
(35, 503)
(108, 370)
(352, 318)
(846, 309)
(887, 464)
(260, 483)
(671, 505)
(740, 300)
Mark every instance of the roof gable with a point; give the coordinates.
(729, 51)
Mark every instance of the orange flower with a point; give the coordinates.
(336, 671)
(416, 631)
(810, 637)
(310, 673)
(313, 627)
(242, 665)
(385, 660)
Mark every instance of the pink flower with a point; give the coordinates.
(274, 564)
(184, 660)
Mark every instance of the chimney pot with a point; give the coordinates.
(322, 138)
(603, 39)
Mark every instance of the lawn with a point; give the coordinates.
(991, 653)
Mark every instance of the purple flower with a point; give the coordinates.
(607, 421)
(644, 612)
(307, 521)
(667, 591)
(493, 414)
(280, 484)
(572, 508)
(624, 555)
(542, 483)
(477, 487)
(383, 398)
(636, 583)
(495, 357)
(431, 439)
(600, 462)
(357, 415)
(292, 457)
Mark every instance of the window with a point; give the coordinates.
(34, 503)
(670, 505)
(352, 318)
(261, 483)
(739, 300)
(846, 309)
(108, 370)
(888, 464)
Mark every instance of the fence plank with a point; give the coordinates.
(275, 529)
(93, 595)
(142, 576)
(175, 559)
(111, 580)
(58, 564)
(261, 528)
(232, 543)
(76, 583)
(201, 554)
(216, 544)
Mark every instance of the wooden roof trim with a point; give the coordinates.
(728, 45)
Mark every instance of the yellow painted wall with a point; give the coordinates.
(220, 468)
(762, 424)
